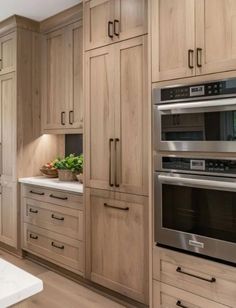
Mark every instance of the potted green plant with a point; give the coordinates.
(69, 167)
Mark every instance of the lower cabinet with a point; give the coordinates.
(119, 242)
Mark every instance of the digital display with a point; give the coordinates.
(196, 164)
(197, 91)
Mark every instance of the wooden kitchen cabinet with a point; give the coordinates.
(8, 53)
(116, 113)
(118, 241)
(62, 84)
(192, 37)
(110, 21)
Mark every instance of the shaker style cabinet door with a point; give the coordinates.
(119, 243)
(173, 39)
(131, 116)
(54, 68)
(130, 18)
(99, 102)
(215, 36)
(8, 53)
(99, 23)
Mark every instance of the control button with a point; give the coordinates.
(209, 92)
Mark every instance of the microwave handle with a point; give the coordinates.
(202, 104)
(194, 182)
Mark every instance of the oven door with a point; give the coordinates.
(196, 126)
(196, 213)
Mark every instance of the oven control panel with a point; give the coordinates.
(204, 90)
(199, 165)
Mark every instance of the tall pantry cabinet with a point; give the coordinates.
(116, 135)
(23, 149)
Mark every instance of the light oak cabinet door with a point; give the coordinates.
(99, 92)
(54, 80)
(215, 36)
(119, 242)
(173, 39)
(8, 53)
(99, 23)
(131, 113)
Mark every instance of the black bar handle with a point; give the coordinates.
(190, 58)
(199, 57)
(56, 197)
(36, 193)
(33, 211)
(179, 270)
(116, 207)
(34, 237)
(62, 118)
(57, 218)
(71, 117)
(116, 177)
(179, 304)
(110, 164)
(110, 26)
(116, 26)
(56, 246)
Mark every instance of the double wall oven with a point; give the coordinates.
(195, 194)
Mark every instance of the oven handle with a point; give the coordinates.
(202, 104)
(197, 182)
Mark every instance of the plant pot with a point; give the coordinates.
(66, 175)
(80, 178)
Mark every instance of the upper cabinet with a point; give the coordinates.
(8, 53)
(109, 21)
(62, 80)
(192, 37)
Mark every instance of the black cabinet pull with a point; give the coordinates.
(63, 118)
(36, 193)
(116, 27)
(58, 247)
(190, 58)
(56, 197)
(57, 218)
(110, 163)
(34, 237)
(71, 117)
(116, 167)
(116, 207)
(179, 270)
(110, 26)
(179, 304)
(199, 57)
(33, 211)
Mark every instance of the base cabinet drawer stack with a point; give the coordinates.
(53, 226)
(186, 281)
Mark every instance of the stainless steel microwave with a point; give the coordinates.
(200, 117)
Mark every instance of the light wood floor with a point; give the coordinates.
(59, 292)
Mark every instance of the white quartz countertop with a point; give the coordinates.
(53, 183)
(16, 285)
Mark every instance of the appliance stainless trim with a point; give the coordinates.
(212, 247)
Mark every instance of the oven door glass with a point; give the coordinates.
(200, 211)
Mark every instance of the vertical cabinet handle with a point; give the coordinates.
(116, 167)
(179, 304)
(110, 163)
(199, 57)
(116, 27)
(110, 29)
(63, 118)
(71, 117)
(0, 64)
(190, 58)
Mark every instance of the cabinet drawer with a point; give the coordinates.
(205, 278)
(165, 296)
(56, 218)
(53, 196)
(54, 247)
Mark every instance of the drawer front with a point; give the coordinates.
(53, 196)
(54, 247)
(66, 221)
(165, 296)
(211, 280)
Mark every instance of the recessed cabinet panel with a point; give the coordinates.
(8, 53)
(216, 35)
(173, 39)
